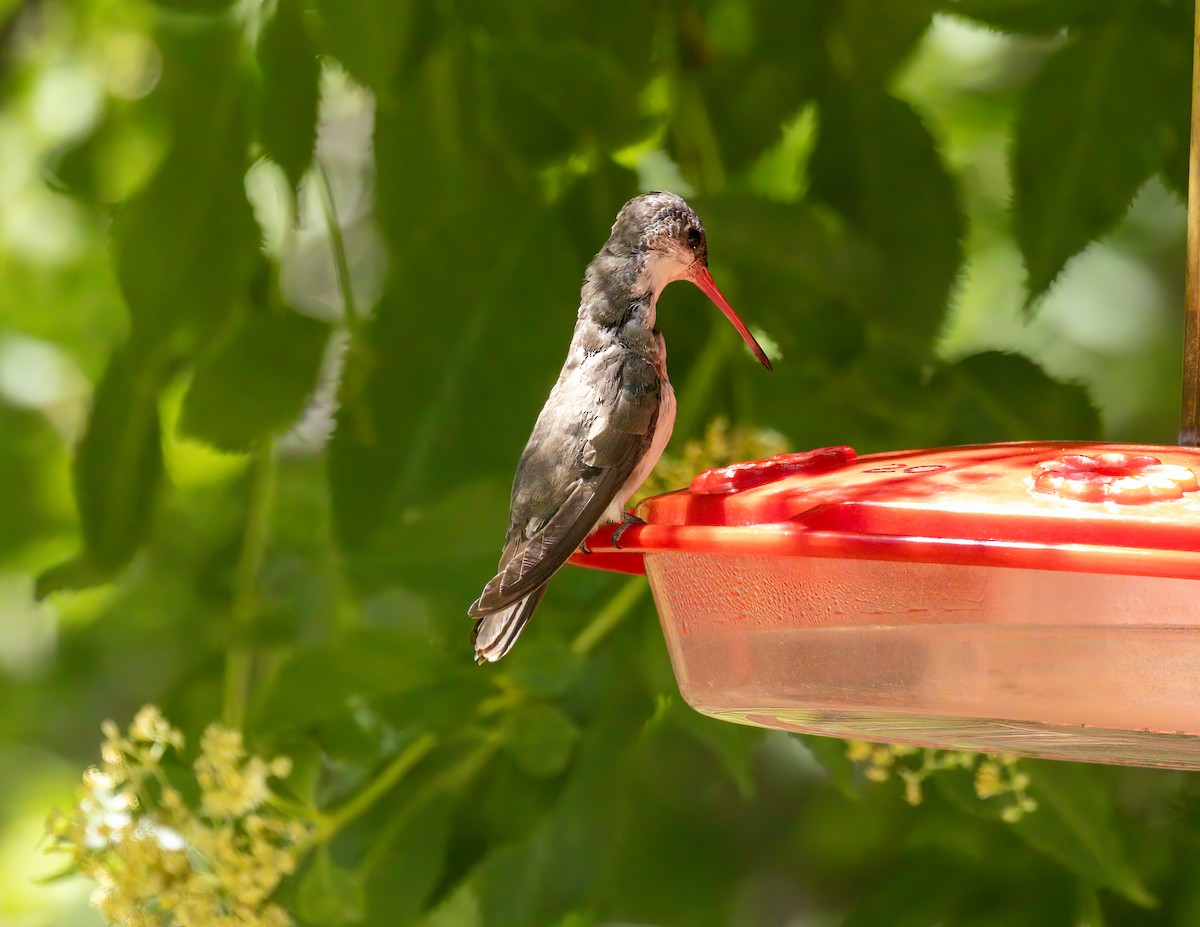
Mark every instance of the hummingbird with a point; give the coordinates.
(608, 416)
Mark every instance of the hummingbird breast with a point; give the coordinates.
(663, 426)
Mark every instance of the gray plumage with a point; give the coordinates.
(607, 419)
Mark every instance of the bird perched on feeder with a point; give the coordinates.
(608, 417)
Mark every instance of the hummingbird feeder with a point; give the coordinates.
(1031, 598)
(1037, 598)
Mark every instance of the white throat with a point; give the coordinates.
(661, 268)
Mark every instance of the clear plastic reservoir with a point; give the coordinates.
(1067, 665)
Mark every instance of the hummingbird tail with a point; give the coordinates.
(494, 634)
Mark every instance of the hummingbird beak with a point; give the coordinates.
(703, 279)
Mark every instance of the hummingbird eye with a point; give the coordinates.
(693, 236)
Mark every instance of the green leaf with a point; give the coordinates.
(318, 680)
(368, 38)
(255, 380)
(68, 575)
(910, 898)
(744, 69)
(118, 464)
(196, 6)
(404, 876)
(1005, 397)
(1091, 129)
(457, 338)
(577, 919)
(782, 265)
(830, 752)
(1177, 108)
(459, 909)
(1088, 910)
(442, 547)
(185, 245)
(1036, 17)
(329, 894)
(540, 739)
(590, 100)
(1074, 825)
(545, 667)
(291, 75)
(877, 164)
(30, 454)
(876, 36)
(731, 744)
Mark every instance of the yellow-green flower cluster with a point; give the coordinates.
(994, 776)
(721, 446)
(158, 862)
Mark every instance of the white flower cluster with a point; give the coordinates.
(158, 862)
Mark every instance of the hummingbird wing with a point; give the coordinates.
(610, 453)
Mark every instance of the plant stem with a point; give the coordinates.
(447, 781)
(332, 822)
(238, 661)
(1189, 428)
(341, 263)
(611, 615)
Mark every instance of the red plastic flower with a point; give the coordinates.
(1114, 477)
(739, 476)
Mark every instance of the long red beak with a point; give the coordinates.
(704, 280)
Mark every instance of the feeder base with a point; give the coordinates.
(986, 735)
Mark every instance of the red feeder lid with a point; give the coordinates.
(1101, 508)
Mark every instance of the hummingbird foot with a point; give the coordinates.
(584, 549)
(628, 520)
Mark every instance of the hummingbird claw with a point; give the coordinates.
(628, 520)
(584, 549)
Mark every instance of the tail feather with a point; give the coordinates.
(494, 634)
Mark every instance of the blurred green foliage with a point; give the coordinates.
(283, 286)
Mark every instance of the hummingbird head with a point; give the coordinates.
(664, 234)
